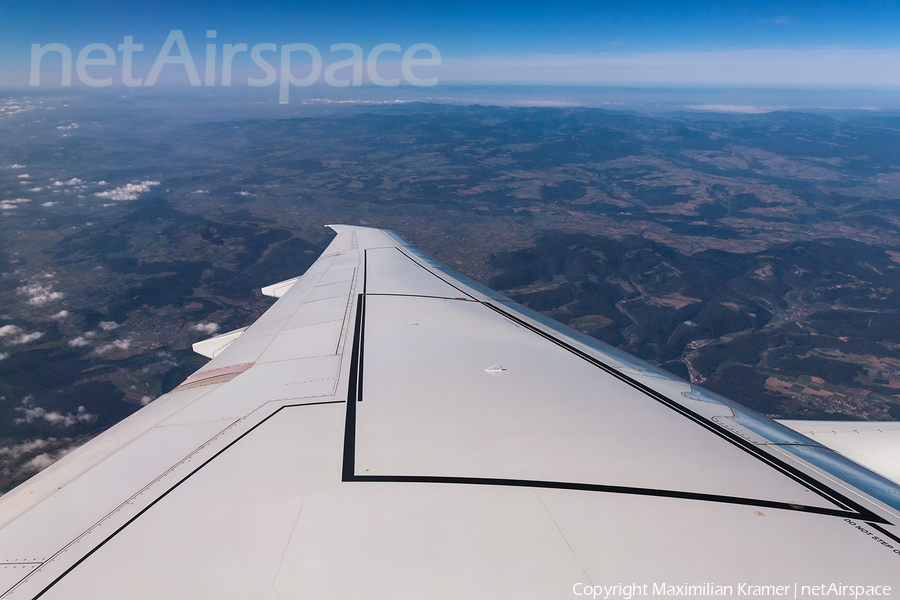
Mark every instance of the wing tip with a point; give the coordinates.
(341, 228)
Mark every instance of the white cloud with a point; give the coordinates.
(40, 294)
(46, 298)
(72, 126)
(243, 193)
(48, 204)
(130, 191)
(11, 204)
(115, 345)
(40, 462)
(31, 413)
(26, 338)
(60, 315)
(146, 400)
(8, 330)
(23, 176)
(37, 189)
(201, 191)
(108, 325)
(208, 328)
(18, 450)
(101, 183)
(16, 166)
(14, 463)
(4, 355)
(73, 181)
(78, 342)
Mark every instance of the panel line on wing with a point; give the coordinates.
(884, 531)
(610, 489)
(349, 458)
(354, 395)
(424, 296)
(432, 273)
(792, 472)
(164, 494)
(129, 500)
(347, 308)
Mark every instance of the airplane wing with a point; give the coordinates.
(390, 429)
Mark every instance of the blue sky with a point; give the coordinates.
(595, 43)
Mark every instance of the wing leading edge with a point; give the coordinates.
(390, 428)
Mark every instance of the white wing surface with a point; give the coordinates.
(389, 429)
(875, 444)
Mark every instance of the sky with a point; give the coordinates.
(622, 43)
